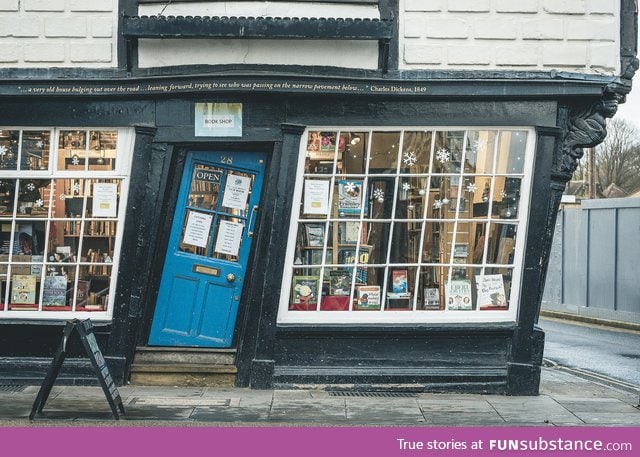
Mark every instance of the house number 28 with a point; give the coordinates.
(228, 160)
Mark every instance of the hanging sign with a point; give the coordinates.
(236, 192)
(218, 119)
(196, 233)
(229, 236)
(105, 199)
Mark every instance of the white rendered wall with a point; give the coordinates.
(567, 35)
(58, 33)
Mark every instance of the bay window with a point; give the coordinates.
(408, 225)
(62, 202)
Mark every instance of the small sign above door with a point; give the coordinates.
(218, 119)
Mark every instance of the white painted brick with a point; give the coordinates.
(566, 6)
(603, 6)
(517, 6)
(414, 27)
(421, 53)
(496, 29)
(424, 5)
(447, 28)
(90, 52)
(101, 28)
(542, 29)
(44, 52)
(469, 55)
(605, 30)
(90, 5)
(564, 55)
(604, 56)
(43, 5)
(10, 52)
(65, 27)
(475, 6)
(27, 27)
(20, 27)
(9, 5)
(517, 55)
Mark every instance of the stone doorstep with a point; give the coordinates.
(171, 355)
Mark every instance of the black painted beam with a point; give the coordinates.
(256, 27)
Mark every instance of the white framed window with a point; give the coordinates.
(63, 193)
(408, 225)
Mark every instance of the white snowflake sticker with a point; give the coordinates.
(406, 186)
(39, 144)
(76, 188)
(75, 160)
(31, 187)
(443, 155)
(348, 187)
(3, 150)
(38, 202)
(378, 194)
(503, 194)
(409, 158)
(472, 187)
(437, 204)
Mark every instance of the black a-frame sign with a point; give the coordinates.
(85, 331)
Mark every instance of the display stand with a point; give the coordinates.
(85, 332)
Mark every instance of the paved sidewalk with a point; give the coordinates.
(565, 400)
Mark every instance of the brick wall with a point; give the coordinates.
(58, 33)
(568, 35)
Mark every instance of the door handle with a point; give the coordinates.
(231, 277)
(253, 213)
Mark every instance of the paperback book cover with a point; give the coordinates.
(458, 295)
(368, 298)
(491, 292)
(339, 282)
(54, 291)
(23, 289)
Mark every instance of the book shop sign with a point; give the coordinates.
(218, 119)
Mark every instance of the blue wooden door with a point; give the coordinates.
(208, 250)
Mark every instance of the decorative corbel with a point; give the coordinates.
(586, 128)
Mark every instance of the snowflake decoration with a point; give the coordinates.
(443, 155)
(62, 197)
(31, 187)
(437, 204)
(503, 194)
(3, 150)
(406, 186)
(76, 188)
(378, 194)
(409, 158)
(39, 144)
(472, 187)
(38, 202)
(75, 160)
(478, 145)
(348, 187)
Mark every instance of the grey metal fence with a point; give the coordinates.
(594, 269)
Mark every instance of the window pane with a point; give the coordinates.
(34, 197)
(7, 196)
(205, 187)
(93, 288)
(316, 194)
(102, 150)
(480, 151)
(72, 150)
(511, 151)
(400, 288)
(377, 240)
(416, 152)
(384, 152)
(502, 241)
(448, 152)
(305, 291)
(493, 289)
(9, 140)
(507, 196)
(431, 290)
(35, 150)
(405, 244)
(103, 198)
(354, 155)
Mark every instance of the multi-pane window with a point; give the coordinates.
(408, 224)
(62, 195)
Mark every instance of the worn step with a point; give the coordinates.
(182, 368)
(194, 356)
(183, 379)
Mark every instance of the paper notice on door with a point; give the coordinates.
(105, 199)
(236, 192)
(316, 197)
(229, 236)
(196, 233)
